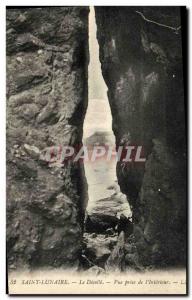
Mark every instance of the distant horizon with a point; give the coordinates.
(98, 131)
(98, 117)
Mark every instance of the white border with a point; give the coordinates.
(4, 3)
(96, 2)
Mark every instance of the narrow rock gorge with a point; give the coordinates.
(140, 50)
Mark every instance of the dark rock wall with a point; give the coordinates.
(141, 59)
(47, 59)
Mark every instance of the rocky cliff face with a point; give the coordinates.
(141, 58)
(47, 59)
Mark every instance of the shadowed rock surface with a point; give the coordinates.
(47, 59)
(141, 59)
(98, 247)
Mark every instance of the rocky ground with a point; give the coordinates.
(108, 236)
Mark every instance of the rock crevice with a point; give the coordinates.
(47, 93)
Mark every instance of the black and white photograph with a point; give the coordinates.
(96, 149)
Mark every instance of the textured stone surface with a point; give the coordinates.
(98, 247)
(47, 58)
(106, 212)
(116, 261)
(141, 58)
